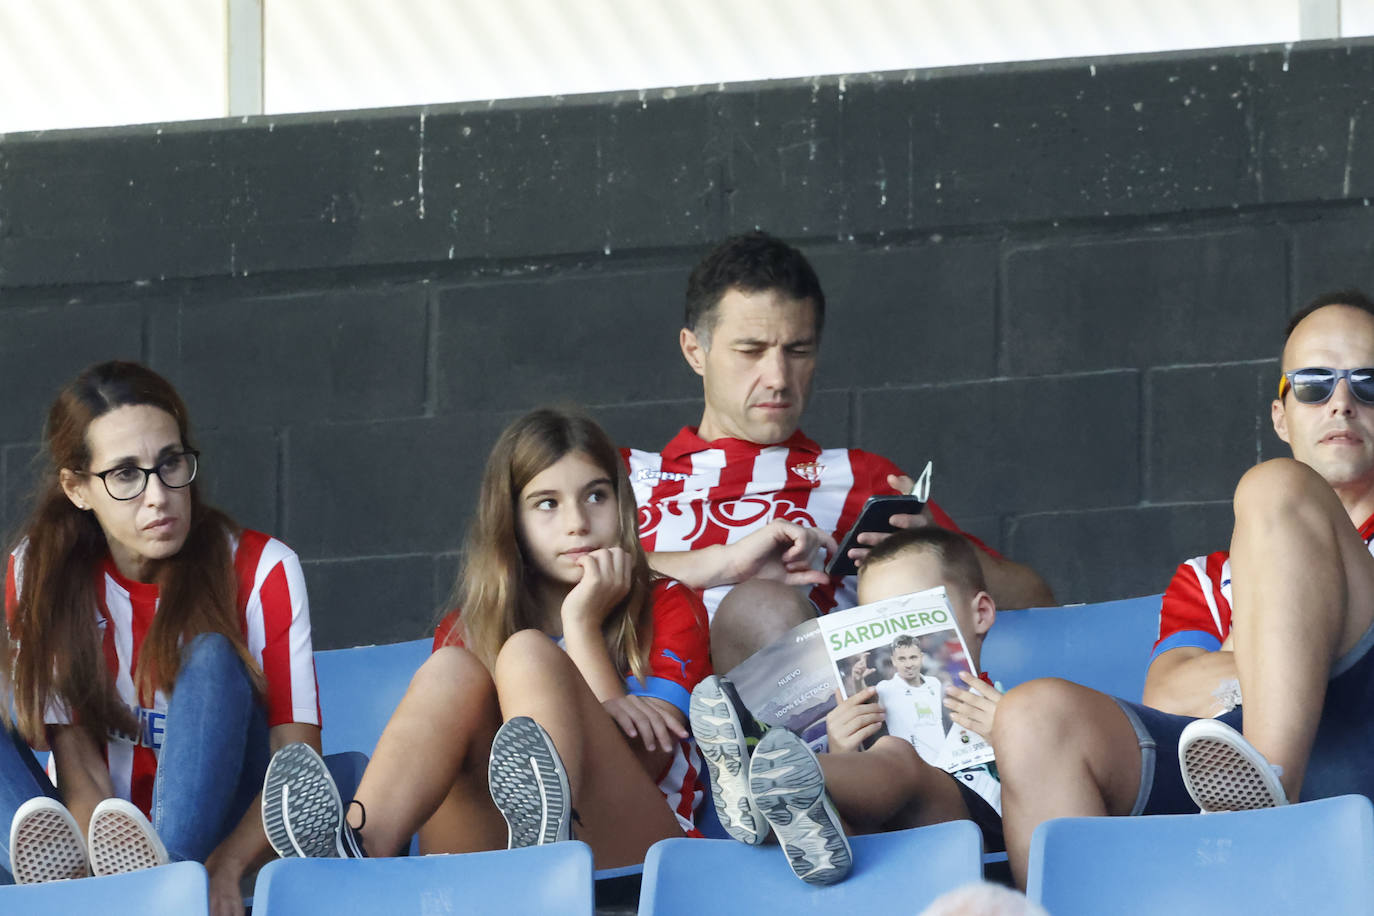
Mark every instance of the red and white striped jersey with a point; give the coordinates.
(275, 615)
(697, 494)
(1196, 610)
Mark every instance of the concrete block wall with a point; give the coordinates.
(1063, 282)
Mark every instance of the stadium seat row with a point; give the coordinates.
(1317, 856)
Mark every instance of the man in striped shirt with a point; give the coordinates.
(745, 497)
(1284, 622)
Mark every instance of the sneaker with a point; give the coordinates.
(1223, 772)
(46, 843)
(529, 785)
(120, 839)
(786, 782)
(725, 734)
(301, 811)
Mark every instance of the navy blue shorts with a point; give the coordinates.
(1341, 751)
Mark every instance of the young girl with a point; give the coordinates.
(156, 648)
(566, 637)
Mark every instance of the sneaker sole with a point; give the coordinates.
(529, 785)
(121, 840)
(301, 810)
(787, 784)
(720, 738)
(1222, 772)
(46, 844)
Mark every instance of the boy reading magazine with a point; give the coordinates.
(772, 779)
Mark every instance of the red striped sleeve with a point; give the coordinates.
(442, 631)
(276, 653)
(1188, 602)
(251, 544)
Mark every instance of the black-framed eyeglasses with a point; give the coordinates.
(128, 481)
(1316, 384)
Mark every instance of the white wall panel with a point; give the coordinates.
(75, 63)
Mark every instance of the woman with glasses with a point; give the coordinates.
(159, 651)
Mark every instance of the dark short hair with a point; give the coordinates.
(905, 640)
(958, 560)
(1351, 297)
(753, 262)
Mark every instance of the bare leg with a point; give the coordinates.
(621, 812)
(1303, 595)
(429, 771)
(1063, 750)
(889, 787)
(752, 615)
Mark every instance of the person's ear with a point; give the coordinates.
(1279, 416)
(984, 613)
(693, 350)
(74, 485)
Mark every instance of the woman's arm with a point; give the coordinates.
(246, 846)
(83, 778)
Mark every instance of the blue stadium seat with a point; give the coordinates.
(901, 872)
(548, 880)
(1315, 857)
(1105, 646)
(359, 690)
(179, 889)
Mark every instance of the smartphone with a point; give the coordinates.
(874, 517)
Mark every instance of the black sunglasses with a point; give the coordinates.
(1316, 384)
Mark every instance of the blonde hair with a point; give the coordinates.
(495, 588)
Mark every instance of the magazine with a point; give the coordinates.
(908, 646)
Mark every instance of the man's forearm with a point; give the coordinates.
(1014, 585)
(699, 569)
(1190, 681)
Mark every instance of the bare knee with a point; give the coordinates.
(1034, 718)
(455, 678)
(752, 615)
(1280, 487)
(524, 655)
(452, 669)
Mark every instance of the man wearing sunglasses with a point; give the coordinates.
(1298, 584)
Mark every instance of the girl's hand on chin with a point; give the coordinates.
(606, 575)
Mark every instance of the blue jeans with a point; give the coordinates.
(214, 754)
(214, 751)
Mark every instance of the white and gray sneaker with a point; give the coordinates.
(1224, 772)
(529, 784)
(787, 784)
(301, 810)
(725, 733)
(46, 843)
(120, 839)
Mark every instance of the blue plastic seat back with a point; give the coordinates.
(359, 690)
(1105, 646)
(553, 880)
(899, 872)
(1316, 857)
(179, 889)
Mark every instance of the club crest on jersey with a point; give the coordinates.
(810, 472)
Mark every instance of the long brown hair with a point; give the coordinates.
(55, 643)
(496, 587)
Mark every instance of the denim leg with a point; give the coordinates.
(214, 750)
(21, 778)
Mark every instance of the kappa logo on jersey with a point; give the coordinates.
(652, 474)
(811, 472)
